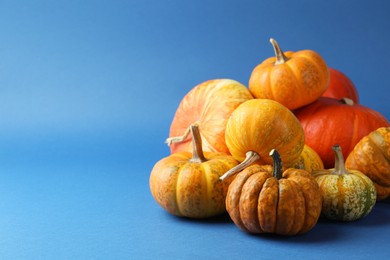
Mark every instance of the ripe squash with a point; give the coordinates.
(208, 105)
(267, 199)
(372, 157)
(293, 79)
(348, 194)
(340, 86)
(188, 185)
(261, 125)
(329, 121)
(309, 160)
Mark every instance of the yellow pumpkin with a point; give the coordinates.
(309, 160)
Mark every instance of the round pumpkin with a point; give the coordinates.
(208, 105)
(309, 160)
(261, 125)
(371, 156)
(187, 184)
(347, 194)
(266, 199)
(329, 121)
(293, 79)
(340, 86)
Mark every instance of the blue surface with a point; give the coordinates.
(88, 90)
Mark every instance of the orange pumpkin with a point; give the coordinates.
(329, 121)
(209, 106)
(293, 79)
(340, 86)
(188, 185)
(266, 199)
(309, 160)
(261, 125)
(371, 156)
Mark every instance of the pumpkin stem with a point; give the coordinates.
(347, 101)
(250, 157)
(197, 151)
(277, 167)
(339, 165)
(280, 57)
(178, 139)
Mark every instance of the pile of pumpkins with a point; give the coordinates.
(272, 154)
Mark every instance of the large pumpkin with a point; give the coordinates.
(261, 125)
(188, 185)
(329, 121)
(340, 86)
(208, 105)
(294, 79)
(266, 199)
(347, 194)
(372, 157)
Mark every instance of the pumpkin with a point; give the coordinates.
(293, 79)
(371, 156)
(208, 105)
(268, 199)
(309, 160)
(340, 86)
(261, 125)
(328, 121)
(347, 194)
(188, 185)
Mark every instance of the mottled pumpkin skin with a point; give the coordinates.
(261, 125)
(295, 83)
(346, 197)
(372, 157)
(208, 104)
(309, 160)
(191, 189)
(257, 202)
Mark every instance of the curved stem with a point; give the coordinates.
(339, 164)
(277, 169)
(280, 57)
(179, 139)
(197, 152)
(347, 101)
(250, 158)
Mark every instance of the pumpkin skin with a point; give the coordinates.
(293, 79)
(347, 194)
(372, 157)
(309, 160)
(208, 105)
(265, 199)
(329, 121)
(261, 125)
(187, 184)
(340, 86)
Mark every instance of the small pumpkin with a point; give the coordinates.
(329, 121)
(348, 194)
(188, 185)
(261, 125)
(293, 79)
(371, 156)
(340, 86)
(309, 160)
(209, 106)
(268, 199)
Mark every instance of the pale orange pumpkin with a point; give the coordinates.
(261, 125)
(293, 79)
(208, 105)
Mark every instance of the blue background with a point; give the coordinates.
(88, 90)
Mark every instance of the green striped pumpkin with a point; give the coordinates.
(347, 194)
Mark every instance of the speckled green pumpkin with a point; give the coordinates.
(348, 195)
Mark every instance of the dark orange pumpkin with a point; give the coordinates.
(266, 199)
(372, 157)
(329, 121)
(293, 79)
(340, 86)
